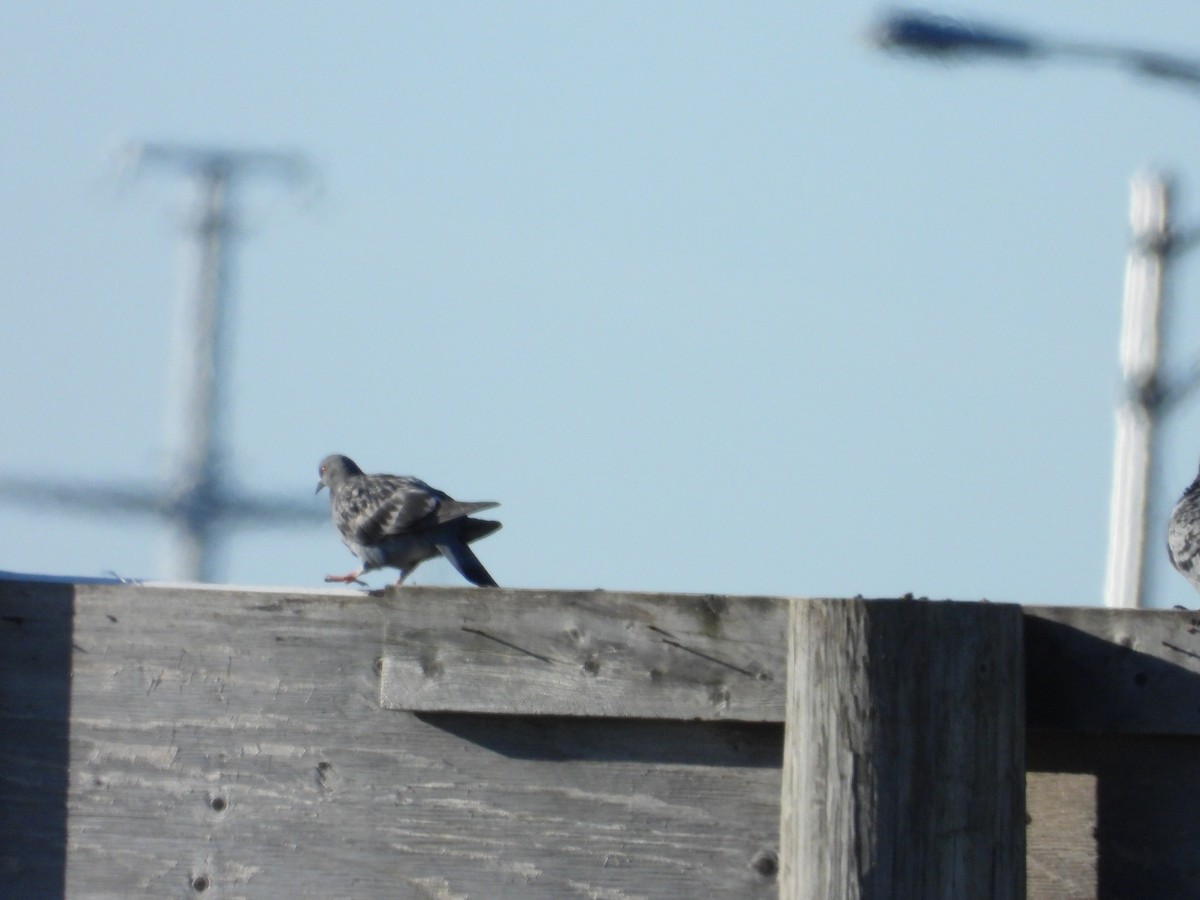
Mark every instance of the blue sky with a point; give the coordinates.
(711, 297)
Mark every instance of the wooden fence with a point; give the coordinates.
(444, 743)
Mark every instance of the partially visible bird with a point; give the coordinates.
(1183, 534)
(400, 521)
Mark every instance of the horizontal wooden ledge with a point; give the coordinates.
(724, 659)
(599, 653)
(603, 654)
(1112, 671)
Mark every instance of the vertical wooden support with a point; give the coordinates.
(903, 772)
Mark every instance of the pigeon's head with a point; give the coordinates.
(334, 470)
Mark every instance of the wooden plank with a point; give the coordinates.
(702, 658)
(903, 768)
(589, 653)
(233, 741)
(157, 740)
(1113, 671)
(1061, 849)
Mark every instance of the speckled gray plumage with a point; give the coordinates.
(1183, 534)
(400, 521)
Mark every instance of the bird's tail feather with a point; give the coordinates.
(464, 559)
(474, 529)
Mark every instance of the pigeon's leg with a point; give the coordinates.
(348, 578)
(404, 573)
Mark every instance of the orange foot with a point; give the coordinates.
(348, 578)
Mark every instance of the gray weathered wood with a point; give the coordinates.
(1114, 671)
(155, 737)
(587, 654)
(695, 657)
(903, 772)
(234, 740)
(1060, 838)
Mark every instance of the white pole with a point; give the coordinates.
(1137, 413)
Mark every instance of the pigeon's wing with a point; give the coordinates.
(370, 508)
(449, 509)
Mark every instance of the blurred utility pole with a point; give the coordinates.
(197, 503)
(1137, 520)
(1134, 512)
(1135, 456)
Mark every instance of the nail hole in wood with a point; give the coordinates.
(765, 863)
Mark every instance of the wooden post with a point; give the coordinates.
(903, 772)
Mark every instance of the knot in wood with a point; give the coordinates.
(718, 696)
(765, 863)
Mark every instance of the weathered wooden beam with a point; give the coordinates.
(157, 738)
(675, 657)
(903, 770)
(1111, 671)
(163, 742)
(1061, 846)
(595, 653)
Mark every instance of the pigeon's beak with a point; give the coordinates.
(320, 484)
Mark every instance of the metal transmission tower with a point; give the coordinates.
(197, 503)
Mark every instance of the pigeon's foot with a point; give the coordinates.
(348, 578)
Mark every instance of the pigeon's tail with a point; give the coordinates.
(474, 529)
(464, 559)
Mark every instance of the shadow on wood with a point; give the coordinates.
(1145, 809)
(560, 738)
(1106, 702)
(35, 698)
(1091, 671)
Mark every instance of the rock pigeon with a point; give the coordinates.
(400, 521)
(1183, 534)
